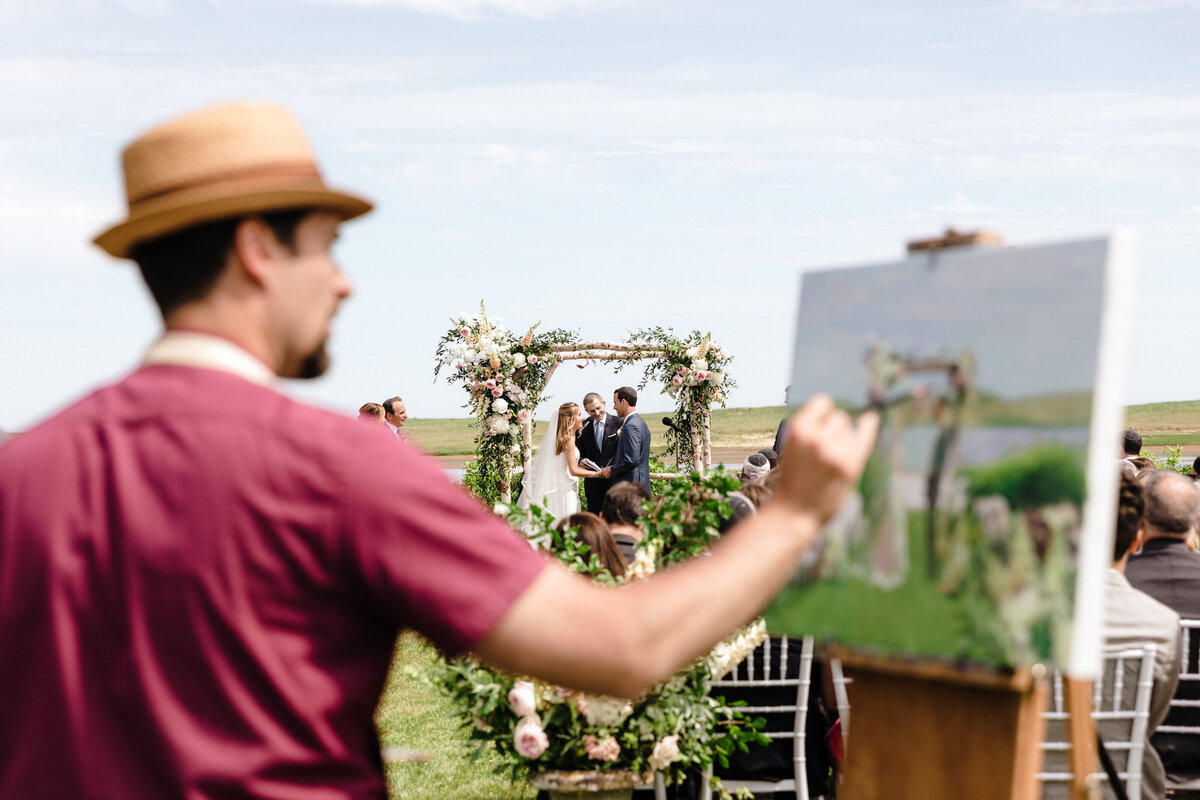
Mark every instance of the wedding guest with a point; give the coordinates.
(754, 467)
(757, 493)
(771, 456)
(592, 531)
(264, 585)
(372, 412)
(1142, 464)
(622, 510)
(781, 435)
(395, 414)
(1169, 571)
(1131, 444)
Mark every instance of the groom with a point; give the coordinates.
(632, 461)
(597, 440)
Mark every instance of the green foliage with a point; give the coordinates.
(678, 524)
(692, 372)
(477, 482)
(658, 486)
(682, 520)
(1032, 478)
(1173, 460)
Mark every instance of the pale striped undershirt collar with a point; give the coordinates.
(205, 351)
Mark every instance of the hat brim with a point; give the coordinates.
(174, 213)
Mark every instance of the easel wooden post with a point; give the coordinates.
(928, 730)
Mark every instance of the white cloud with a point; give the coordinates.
(476, 10)
(1081, 8)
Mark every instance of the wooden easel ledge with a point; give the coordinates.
(953, 238)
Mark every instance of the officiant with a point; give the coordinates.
(597, 441)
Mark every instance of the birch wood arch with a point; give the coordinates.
(505, 377)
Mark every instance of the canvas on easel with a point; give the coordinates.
(975, 545)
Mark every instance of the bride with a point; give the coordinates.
(552, 479)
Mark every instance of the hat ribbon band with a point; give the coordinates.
(236, 179)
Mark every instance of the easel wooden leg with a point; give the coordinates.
(1081, 733)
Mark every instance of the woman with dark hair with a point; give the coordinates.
(593, 531)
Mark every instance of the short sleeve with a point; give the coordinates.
(430, 555)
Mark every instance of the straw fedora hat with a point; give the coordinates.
(217, 163)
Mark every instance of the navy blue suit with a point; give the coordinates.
(632, 461)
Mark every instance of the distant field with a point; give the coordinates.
(731, 427)
(1166, 424)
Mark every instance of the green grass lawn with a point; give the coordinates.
(414, 715)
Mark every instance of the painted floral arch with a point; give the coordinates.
(505, 376)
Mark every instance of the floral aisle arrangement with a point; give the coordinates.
(693, 372)
(544, 731)
(504, 375)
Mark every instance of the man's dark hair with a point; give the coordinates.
(1170, 507)
(627, 394)
(388, 405)
(1196, 466)
(184, 266)
(1131, 504)
(771, 456)
(1131, 440)
(623, 503)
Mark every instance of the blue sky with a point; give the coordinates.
(604, 165)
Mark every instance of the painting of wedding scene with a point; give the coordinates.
(962, 540)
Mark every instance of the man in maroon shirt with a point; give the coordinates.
(201, 580)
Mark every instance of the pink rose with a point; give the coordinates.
(523, 414)
(701, 375)
(533, 359)
(677, 380)
(490, 383)
(521, 699)
(529, 738)
(581, 703)
(497, 392)
(605, 749)
(464, 332)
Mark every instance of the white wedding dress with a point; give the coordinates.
(549, 481)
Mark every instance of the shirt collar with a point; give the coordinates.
(395, 430)
(207, 351)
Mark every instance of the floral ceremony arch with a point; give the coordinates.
(505, 377)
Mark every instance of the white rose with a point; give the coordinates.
(666, 750)
(606, 712)
(500, 424)
(700, 365)
(717, 378)
(519, 359)
(692, 351)
(521, 699)
(469, 355)
(500, 405)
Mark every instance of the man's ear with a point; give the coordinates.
(256, 249)
(1139, 539)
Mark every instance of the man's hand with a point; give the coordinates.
(823, 458)
(606, 472)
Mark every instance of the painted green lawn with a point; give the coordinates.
(914, 617)
(413, 715)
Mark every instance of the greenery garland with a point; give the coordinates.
(693, 372)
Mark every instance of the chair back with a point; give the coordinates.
(1121, 709)
(768, 665)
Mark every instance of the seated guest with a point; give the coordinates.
(1167, 570)
(771, 456)
(754, 467)
(592, 531)
(1131, 444)
(1133, 618)
(372, 412)
(621, 509)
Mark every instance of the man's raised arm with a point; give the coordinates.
(620, 640)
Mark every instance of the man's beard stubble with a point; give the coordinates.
(314, 365)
